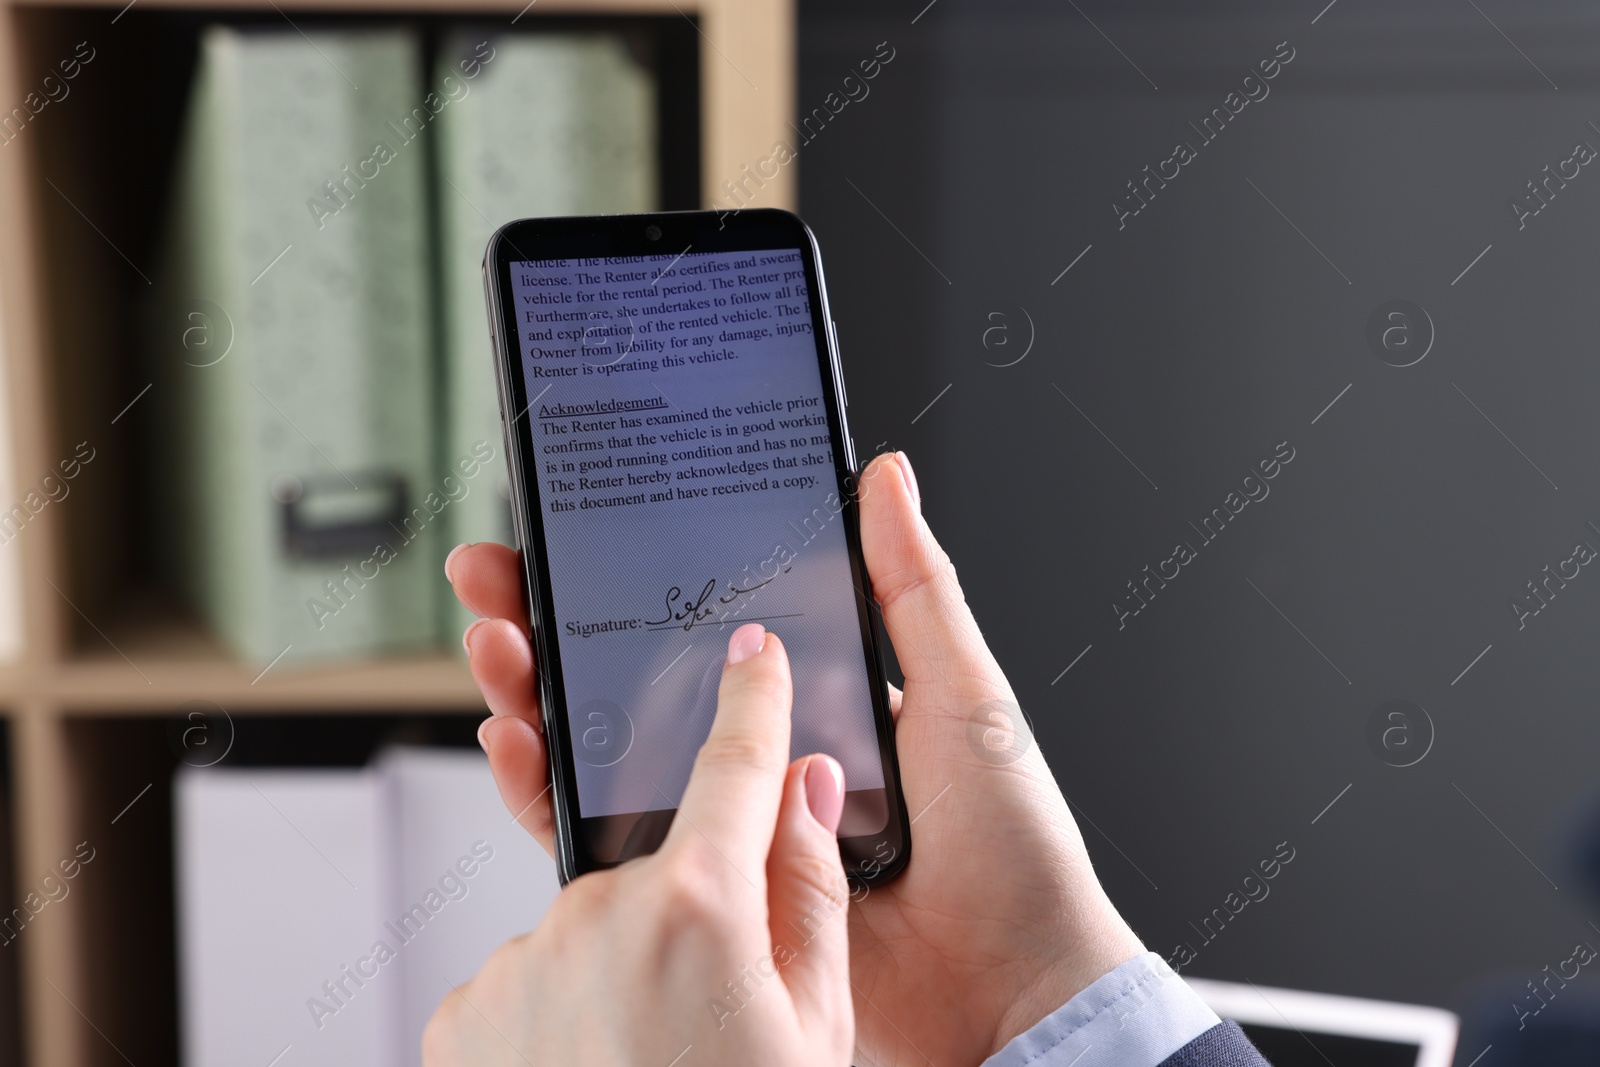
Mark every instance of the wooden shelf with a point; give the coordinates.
(108, 685)
(104, 673)
(154, 660)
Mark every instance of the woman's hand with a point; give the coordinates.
(998, 918)
(726, 946)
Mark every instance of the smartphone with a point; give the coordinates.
(680, 462)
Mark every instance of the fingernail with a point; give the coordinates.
(451, 558)
(746, 641)
(911, 479)
(824, 782)
(483, 736)
(466, 638)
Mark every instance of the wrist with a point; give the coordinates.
(1066, 965)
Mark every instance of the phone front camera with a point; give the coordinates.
(653, 232)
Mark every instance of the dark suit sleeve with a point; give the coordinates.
(1224, 1045)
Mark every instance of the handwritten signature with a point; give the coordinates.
(680, 608)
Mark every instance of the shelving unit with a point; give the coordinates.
(108, 665)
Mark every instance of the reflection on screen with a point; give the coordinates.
(686, 475)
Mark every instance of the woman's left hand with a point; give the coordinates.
(729, 941)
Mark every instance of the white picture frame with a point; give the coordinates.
(1433, 1030)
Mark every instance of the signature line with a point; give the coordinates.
(725, 622)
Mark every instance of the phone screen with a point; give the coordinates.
(687, 484)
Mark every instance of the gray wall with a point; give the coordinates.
(1228, 714)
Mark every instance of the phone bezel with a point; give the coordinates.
(868, 859)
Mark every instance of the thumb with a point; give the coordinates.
(808, 899)
(935, 637)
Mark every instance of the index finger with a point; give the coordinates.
(736, 787)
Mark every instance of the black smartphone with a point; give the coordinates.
(674, 414)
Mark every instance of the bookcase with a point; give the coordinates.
(109, 665)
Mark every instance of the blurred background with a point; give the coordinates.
(1245, 352)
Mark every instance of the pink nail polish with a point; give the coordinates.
(466, 637)
(824, 783)
(746, 641)
(451, 558)
(911, 479)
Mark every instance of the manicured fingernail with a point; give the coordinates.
(824, 781)
(911, 479)
(451, 558)
(483, 735)
(466, 638)
(746, 641)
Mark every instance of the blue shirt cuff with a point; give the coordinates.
(1133, 1016)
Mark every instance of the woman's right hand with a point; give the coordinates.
(728, 941)
(998, 919)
